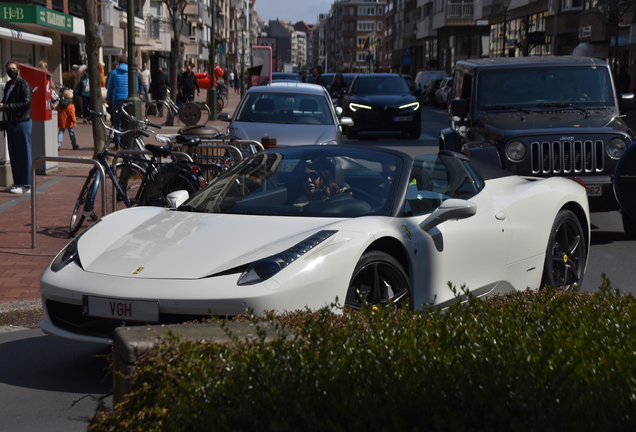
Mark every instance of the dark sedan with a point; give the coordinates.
(382, 103)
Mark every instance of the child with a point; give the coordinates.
(66, 119)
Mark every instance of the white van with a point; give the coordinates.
(423, 77)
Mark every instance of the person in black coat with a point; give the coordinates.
(15, 111)
(159, 85)
(187, 84)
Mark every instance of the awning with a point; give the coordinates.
(13, 32)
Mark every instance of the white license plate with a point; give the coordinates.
(403, 118)
(121, 309)
(594, 190)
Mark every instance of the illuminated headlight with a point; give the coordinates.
(330, 142)
(616, 147)
(516, 151)
(265, 268)
(415, 106)
(355, 107)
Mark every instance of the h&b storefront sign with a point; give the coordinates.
(34, 14)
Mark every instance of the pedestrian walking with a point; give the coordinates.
(85, 93)
(237, 83)
(188, 83)
(159, 88)
(231, 79)
(117, 95)
(17, 124)
(66, 119)
(145, 81)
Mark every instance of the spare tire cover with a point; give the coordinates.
(625, 181)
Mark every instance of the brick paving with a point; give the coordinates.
(20, 265)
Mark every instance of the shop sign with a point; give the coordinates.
(585, 32)
(623, 40)
(34, 14)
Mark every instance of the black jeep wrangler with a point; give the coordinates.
(542, 116)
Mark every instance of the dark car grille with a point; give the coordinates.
(567, 157)
(69, 317)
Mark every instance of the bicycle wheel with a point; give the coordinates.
(157, 112)
(77, 217)
(206, 113)
(224, 99)
(129, 176)
(174, 178)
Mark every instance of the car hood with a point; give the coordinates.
(287, 134)
(383, 99)
(519, 120)
(160, 243)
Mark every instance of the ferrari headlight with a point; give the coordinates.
(414, 105)
(265, 268)
(516, 151)
(616, 147)
(66, 256)
(355, 107)
(330, 142)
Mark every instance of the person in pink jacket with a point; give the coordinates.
(66, 119)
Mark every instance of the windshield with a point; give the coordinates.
(320, 181)
(291, 108)
(544, 87)
(380, 85)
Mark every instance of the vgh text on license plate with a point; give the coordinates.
(121, 309)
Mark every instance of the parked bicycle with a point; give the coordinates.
(166, 111)
(135, 179)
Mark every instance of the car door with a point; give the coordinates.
(470, 252)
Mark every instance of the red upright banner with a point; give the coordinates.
(41, 83)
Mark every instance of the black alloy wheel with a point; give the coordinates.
(566, 253)
(377, 280)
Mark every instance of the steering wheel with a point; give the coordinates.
(363, 195)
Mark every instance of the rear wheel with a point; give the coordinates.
(157, 112)
(566, 253)
(129, 176)
(378, 279)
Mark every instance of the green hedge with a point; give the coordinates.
(529, 361)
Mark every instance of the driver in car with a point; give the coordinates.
(318, 182)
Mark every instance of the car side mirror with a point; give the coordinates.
(226, 117)
(176, 198)
(459, 108)
(450, 209)
(339, 111)
(626, 102)
(346, 121)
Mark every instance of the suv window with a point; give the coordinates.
(536, 87)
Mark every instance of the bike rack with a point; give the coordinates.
(100, 172)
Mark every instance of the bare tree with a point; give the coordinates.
(93, 43)
(176, 9)
(612, 14)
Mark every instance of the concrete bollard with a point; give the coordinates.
(130, 344)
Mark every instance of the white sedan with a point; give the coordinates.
(307, 226)
(293, 113)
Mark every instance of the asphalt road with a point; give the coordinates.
(51, 384)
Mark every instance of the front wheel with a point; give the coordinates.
(77, 217)
(566, 253)
(377, 280)
(157, 112)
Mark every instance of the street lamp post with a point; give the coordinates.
(243, 20)
(212, 90)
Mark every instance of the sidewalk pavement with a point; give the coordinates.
(20, 265)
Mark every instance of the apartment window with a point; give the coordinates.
(379, 25)
(361, 56)
(366, 26)
(366, 10)
(569, 5)
(380, 11)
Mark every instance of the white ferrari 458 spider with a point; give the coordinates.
(301, 227)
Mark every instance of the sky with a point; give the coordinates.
(292, 10)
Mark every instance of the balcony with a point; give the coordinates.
(459, 10)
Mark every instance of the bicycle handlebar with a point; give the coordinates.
(135, 119)
(100, 116)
